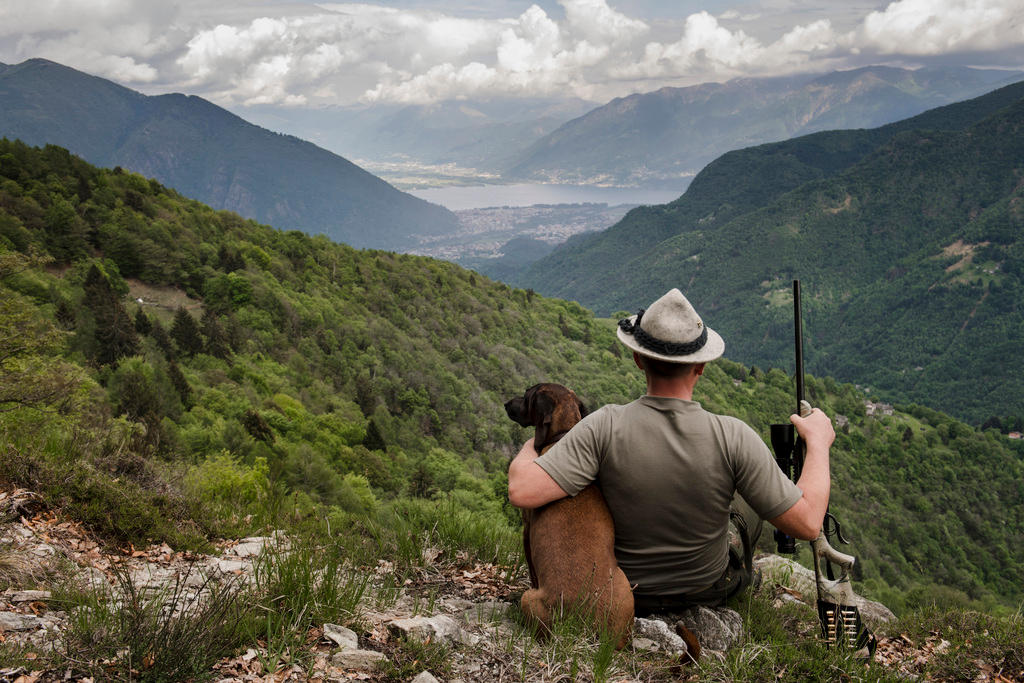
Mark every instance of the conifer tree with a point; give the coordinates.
(257, 426)
(115, 331)
(366, 397)
(162, 339)
(185, 333)
(143, 325)
(216, 339)
(181, 384)
(229, 258)
(374, 440)
(65, 314)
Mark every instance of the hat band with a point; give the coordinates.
(659, 346)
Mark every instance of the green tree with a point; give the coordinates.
(135, 391)
(374, 441)
(216, 339)
(185, 333)
(162, 339)
(114, 330)
(257, 426)
(179, 382)
(30, 373)
(143, 325)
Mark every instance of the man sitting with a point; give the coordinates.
(672, 472)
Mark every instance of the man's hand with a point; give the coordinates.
(804, 519)
(529, 486)
(816, 430)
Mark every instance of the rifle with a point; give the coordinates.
(840, 618)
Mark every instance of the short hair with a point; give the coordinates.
(662, 368)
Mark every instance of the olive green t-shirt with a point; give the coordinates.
(668, 470)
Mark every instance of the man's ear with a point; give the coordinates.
(698, 369)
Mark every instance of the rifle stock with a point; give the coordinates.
(841, 623)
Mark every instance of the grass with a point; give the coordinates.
(962, 642)
(295, 589)
(175, 633)
(407, 657)
(132, 634)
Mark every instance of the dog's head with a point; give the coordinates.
(550, 408)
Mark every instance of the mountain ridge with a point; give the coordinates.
(671, 133)
(212, 155)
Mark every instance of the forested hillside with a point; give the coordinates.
(907, 239)
(209, 154)
(171, 372)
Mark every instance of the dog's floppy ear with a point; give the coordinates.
(520, 409)
(516, 409)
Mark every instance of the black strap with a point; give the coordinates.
(748, 551)
(659, 346)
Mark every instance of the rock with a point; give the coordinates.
(425, 677)
(348, 658)
(438, 627)
(232, 566)
(341, 636)
(716, 629)
(12, 621)
(248, 547)
(874, 613)
(657, 633)
(789, 597)
(43, 551)
(254, 545)
(29, 596)
(152, 576)
(645, 644)
(801, 579)
(457, 604)
(486, 613)
(92, 579)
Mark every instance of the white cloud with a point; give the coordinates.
(710, 51)
(116, 39)
(930, 27)
(251, 51)
(596, 22)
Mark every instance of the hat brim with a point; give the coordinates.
(712, 349)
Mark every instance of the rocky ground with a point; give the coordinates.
(470, 609)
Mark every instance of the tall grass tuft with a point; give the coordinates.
(407, 657)
(173, 634)
(297, 588)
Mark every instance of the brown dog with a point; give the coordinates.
(569, 544)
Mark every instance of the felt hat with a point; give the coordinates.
(670, 330)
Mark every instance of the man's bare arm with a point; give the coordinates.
(529, 486)
(804, 519)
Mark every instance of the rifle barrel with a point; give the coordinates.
(798, 334)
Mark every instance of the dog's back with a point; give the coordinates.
(569, 544)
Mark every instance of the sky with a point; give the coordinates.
(301, 54)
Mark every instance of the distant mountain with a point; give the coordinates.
(478, 134)
(908, 239)
(209, 154)
(672, 133)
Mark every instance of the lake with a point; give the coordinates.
(527, 194)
